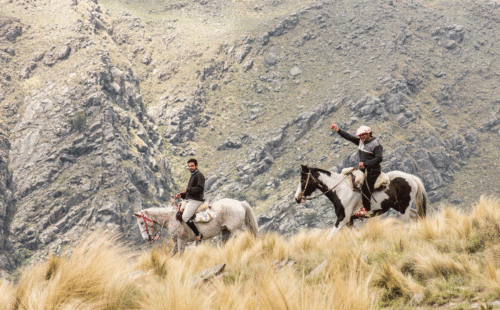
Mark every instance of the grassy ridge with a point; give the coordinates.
(452, 256)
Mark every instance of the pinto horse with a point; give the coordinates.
(404, 191)
(230, 217)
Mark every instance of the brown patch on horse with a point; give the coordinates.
(399, 195)
(339, 207)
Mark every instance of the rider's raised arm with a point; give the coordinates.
(348, 136)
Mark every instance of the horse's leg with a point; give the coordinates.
(347, 217)
(351, 221)
(225, 235)
(174, 248)
(235, 232)
(181, 244)
(341, 222)
(338, 227)
(408, 212)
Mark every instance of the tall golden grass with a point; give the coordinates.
(452, 256)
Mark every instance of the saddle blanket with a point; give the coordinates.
(204, 213)
(205, 216)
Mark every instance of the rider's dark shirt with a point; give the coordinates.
(196, 186)
(370, 152)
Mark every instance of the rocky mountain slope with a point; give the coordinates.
(103, 101)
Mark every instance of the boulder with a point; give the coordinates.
(271, 59)
(263, 39)
(211, 179)
(318, 270)
(4, 263)
(450, 44)
(440, 158)
(230, 143)
(63, 53)
(285, 26)
(207, 275)
(247, 65)
(295, 71)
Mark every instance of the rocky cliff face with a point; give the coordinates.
(103, 102)
(84, 156)
(82, 152)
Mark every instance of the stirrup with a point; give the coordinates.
(198, 242)
(362, 214)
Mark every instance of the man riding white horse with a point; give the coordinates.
(370, 156)
(194, 196)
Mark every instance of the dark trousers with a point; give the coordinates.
(367, 188)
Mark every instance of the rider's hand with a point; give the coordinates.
(178, 196)
(361, 165)
(334, 126)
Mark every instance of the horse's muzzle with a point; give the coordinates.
(300, 198)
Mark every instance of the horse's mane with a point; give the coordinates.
(329, 173)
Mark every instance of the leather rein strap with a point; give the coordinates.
(309, 175)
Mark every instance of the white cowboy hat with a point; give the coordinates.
(363, 129)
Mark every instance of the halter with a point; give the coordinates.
(146, 219)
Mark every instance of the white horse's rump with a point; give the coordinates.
(404, 191)
(230, 217)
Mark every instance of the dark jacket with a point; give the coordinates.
(196, 187)
(370, 152)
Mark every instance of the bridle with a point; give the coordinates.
(146, 219)
(310, 175)
(142, 215)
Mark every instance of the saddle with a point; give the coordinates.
(357, 177)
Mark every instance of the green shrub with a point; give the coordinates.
(79, 121)
(475, 244)
(20, 255)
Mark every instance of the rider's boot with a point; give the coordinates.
(363, 213)
(367, 190)
(199, 236)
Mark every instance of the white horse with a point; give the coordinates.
(404, 191)
(230, 216)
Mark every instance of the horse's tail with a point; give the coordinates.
(421, 198)
(250, 219)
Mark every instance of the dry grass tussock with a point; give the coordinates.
(451, 256)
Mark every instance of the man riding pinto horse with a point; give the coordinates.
(370, 157)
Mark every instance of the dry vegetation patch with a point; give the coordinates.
(381, 264)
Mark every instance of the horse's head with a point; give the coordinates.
(148, 225)
(143, 225)
(307, 184)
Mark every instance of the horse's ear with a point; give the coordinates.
(304, 169)
(136, 214)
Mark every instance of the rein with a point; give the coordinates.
(309, 174)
